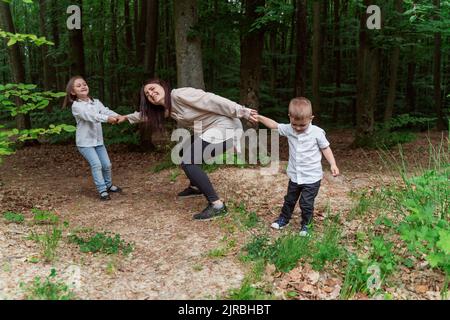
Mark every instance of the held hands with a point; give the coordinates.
(253, 118)
(117, 119)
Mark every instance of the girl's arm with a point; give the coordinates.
(107, 111)
(210, 102)
(269, 123)
(80, 112)
(330, 158)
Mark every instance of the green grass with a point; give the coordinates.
(103, 242)
(47, 289)
(13, 217)
(48, 242)
(44, 217)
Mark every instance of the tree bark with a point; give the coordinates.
(16, 61)
(140, 36)
(151, 38)
(188, 45)
(316, 59)
(114, 84)
(48, 63)
(76, 52)
(302, 48)
(367, 82)
(252, 45)
(337, 58)
(393, 74)
(128, 27)
(437, 79)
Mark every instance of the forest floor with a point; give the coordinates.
(175, 257)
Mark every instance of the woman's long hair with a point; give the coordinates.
(154, 115)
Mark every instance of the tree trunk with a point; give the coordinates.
(114, 84)
(48, 69)
(101, 52)
(393, 72)
(337, 57)
(140, 36)
(188, 45)
(151, 38)
(302, 48)
(15, 60)
(252, 45)
(441, 124)
(367, 83)
(316, 59)
(410, 89)
(59, 75)
(128, 27)
(76, 42)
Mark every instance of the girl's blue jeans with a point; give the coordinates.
(100, 166)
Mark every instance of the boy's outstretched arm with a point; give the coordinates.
(269, 123)
(330, 158)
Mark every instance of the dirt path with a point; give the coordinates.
(170, 260)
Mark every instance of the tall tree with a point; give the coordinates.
(128, 26)
(252, 45)
(337, 56)
(366, 82)
(48, 69)
(114, 87)
(188, 45)
(316, 59)
(15, 60)
(151, 38)
(302, 48)
(393, 73)
(140, 35)
(76, 51)
(437, 72)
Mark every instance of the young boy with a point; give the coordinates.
(307, 142)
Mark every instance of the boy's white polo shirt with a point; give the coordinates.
(305, 154)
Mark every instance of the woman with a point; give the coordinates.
(189, 107)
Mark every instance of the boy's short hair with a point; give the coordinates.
(300, 108)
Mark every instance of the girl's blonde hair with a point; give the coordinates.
(71, 98)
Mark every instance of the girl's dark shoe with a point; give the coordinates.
(114, 189)
(104, 196)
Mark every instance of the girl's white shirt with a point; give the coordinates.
(89, 116)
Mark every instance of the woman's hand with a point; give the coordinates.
(253, 118)
(112, 120)
(121, 119)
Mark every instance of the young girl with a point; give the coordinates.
(89, 114)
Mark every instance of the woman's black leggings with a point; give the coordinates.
(192, 158)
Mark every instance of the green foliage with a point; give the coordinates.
(248, 291)
(13, 217)
(13, 38)
(31, 100)
(426, 227)
(355, 279)
(383, 254)
(44, 217)
(48, 289)
(48, 242)
(103, 242)
(243, 218)
(327, 247)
